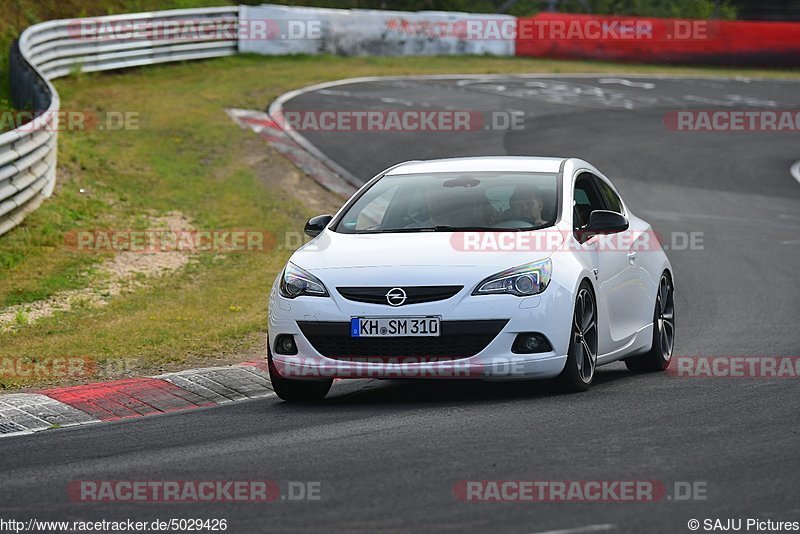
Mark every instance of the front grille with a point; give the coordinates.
(458, 339)
(414, 294)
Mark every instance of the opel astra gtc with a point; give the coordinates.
(490, 268)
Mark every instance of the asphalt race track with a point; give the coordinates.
(388, 454)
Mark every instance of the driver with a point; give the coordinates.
(525, 204)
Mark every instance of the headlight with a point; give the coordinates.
(522, 281)
(295, 282)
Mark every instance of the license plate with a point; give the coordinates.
(394, 327)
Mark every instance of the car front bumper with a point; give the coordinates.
(549, 313)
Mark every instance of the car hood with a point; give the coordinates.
(491, 250)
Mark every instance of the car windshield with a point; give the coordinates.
(495, 201)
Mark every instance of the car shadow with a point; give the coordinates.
(443, 392)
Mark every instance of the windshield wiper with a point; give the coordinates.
(396, 230)
(439, 228)
(448, 228)
(442, 228)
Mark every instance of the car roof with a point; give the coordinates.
(480, 164)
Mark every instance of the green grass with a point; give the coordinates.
(16, 15)
(190, 157)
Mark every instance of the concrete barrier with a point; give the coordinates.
(361, 32)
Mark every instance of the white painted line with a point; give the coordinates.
(795, 171)
(627, 83)
(587, 528)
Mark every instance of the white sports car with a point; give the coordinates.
(488, 267)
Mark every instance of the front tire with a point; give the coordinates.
(660, 354)
(296, 390)
(578, 372)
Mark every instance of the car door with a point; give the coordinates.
(613, 272)
(635, 246)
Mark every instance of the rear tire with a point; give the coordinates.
(296, 390)
(578, 372)
(660, 354)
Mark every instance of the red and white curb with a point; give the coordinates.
(25, 413)
(319, 167)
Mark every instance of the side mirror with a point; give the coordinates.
(606, 222)
(316, 225)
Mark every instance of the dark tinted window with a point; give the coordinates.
(613, 201)
(587, 199)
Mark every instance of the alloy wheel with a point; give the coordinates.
(584, 335)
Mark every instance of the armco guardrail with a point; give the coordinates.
(56, 48)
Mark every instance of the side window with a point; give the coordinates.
(587, 198)
(613, 201)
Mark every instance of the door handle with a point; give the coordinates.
(631, 256)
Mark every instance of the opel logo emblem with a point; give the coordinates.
(396, 296)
